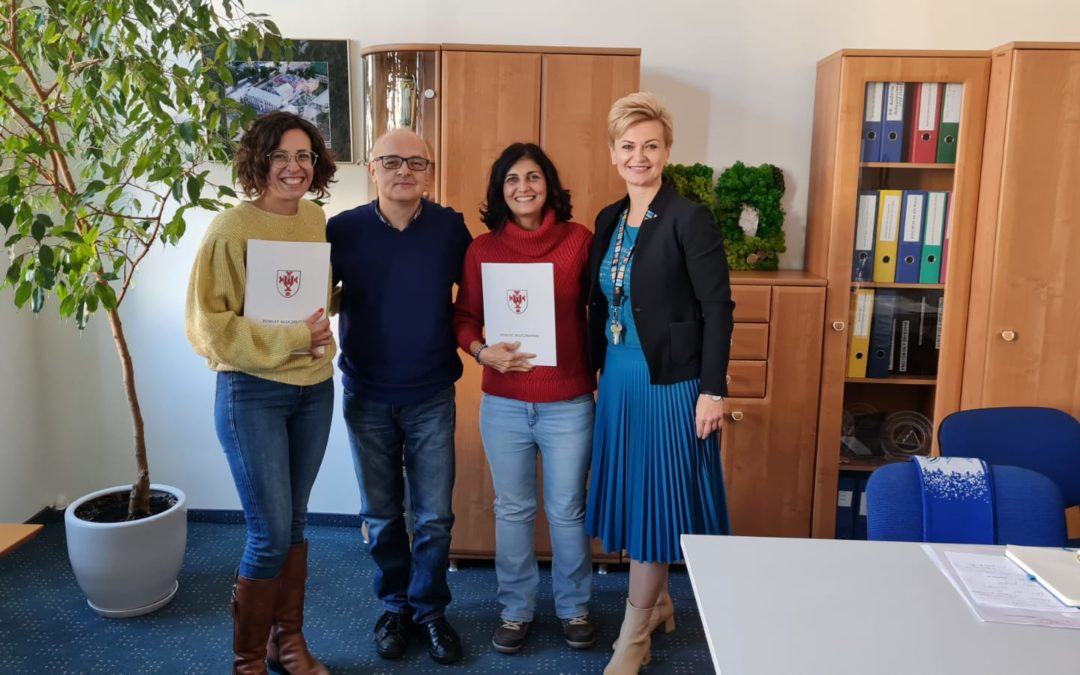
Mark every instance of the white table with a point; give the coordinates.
(785, 606)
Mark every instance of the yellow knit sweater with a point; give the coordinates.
(214, 316)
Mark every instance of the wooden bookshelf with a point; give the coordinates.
(838, 175)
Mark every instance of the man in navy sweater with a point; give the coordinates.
(398, 259)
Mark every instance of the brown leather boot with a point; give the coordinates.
(634, 642)
(253, 613)
(286, 650)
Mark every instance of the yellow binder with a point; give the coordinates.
(862, 311)
(888, 234)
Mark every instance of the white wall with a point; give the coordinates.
(738, 76)
(25, 476)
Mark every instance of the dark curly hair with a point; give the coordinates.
(252, 164)
(495, 212)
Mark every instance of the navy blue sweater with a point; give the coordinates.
(396, 332)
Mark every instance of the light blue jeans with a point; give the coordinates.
(513, 431)
(274, 436)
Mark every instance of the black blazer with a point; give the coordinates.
(679, 290)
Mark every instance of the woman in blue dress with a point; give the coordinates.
(660, 320)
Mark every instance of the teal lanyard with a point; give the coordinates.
(618, 275)
(618, 270)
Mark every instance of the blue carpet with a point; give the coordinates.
(47, 627)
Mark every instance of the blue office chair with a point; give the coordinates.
(1041, 439)
(1028, 509)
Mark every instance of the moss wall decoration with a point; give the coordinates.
(748, 211)
(695, 182)
(746, 203)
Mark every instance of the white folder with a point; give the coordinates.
(1057, 569)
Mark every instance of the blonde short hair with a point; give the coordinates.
(641, 106)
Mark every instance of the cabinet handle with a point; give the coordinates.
(838, 326)
(727, 379)
(736, 415)
(1008, 335)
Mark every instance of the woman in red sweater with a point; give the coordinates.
(527, 408)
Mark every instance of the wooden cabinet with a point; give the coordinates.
(838, 174)
(1023, 340)
(767, 441)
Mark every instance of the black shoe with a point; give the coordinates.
(578, 632)
(392, 634)
(510, 636)
(444, 644)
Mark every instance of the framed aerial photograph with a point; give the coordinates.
(313, 84)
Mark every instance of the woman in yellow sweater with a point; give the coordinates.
(275, 390)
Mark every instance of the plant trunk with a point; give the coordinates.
(139, 503)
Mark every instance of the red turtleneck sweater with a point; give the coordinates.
(566, 246)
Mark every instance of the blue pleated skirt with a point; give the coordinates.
(652, 479)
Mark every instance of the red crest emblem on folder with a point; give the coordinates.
(517, 299)
(288, 282)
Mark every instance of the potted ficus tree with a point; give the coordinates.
(109, 111)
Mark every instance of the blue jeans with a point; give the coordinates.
(513, 431)
(419, 439)
(274, 436)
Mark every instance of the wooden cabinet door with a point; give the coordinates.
(577, 92)
(1024, 348)
(489, 100)
(746, 424)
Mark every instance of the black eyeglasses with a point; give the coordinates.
(392, 162)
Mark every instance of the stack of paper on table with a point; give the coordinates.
(996, 590)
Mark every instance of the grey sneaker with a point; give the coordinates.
(578, 632)
(510, 636)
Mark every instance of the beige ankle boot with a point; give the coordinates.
(663, 615)
(634, 642)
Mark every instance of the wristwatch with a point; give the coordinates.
(714, 397)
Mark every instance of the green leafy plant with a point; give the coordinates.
(760, 190)
(109, 110)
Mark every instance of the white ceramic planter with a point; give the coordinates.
(128, 568)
